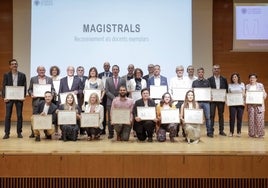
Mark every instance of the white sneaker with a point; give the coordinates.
(230, 135)
(195, 142)
(238, 135)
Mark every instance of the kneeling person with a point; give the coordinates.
(44, 108)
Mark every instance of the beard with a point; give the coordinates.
(122, 94)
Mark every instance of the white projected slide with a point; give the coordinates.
(251, 26)
(87, 33)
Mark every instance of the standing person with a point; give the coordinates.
(103, 76)
(44, 108)
(94, 106)
(80, 71)
(201, 82)
(178, 82)
(217, 82)
(144, 128)
(165, 103)
(150, 74)
(129, 75)
(192, 131)
(236, 112)
(123, 102)
(13, 78)
(112, 86)
(190, 77)
(41, 78)
(70, 132)
(137, 83)
(256, 112)
(157, 79)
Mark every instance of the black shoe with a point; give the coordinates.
(6, 136)
(150, 139)
(20, 135)
(210, 135)
(37, 139)
(31, 136)
(103, 132)
(222, 134)
(110, 136)
(48, 137)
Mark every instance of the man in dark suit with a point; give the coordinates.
(104, 75)
(157, 79)
(112, 86)
(13, 78)
(217, 82)
(80, 71)
(150, 69)
(41, 78)
(44, 108)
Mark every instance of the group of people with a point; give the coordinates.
(129, 93)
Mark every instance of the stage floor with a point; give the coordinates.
(222, 145)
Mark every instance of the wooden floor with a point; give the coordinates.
(222, 145)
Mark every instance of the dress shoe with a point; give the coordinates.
(103, 132)
(20, 135)
(37, 138)
(31, 136)
(222, 134)
(150, 139)
(118, 138)
(110, 136)
(48, 137)
(210, 135)
(172, 139)
(6, 136)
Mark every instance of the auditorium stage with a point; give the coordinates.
(213, 162)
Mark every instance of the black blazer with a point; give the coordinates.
(100, 75)
(223, 83)
(52, 110)
(8, 81)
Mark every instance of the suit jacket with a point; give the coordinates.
(83, 80)
(8, 81)
(100, 75)
(223, 83)
(110, 89)
(163, 81)
(51, 110)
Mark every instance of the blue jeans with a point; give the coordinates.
(206, 107)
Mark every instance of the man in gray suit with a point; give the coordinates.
(41, 78)
(112, 86)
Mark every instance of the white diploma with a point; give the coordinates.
(146, 113)
(64, 95)
(254, 97)
(218, 95)
(120, 116)
(135, 95)
(193, 116)
(90, 119)
(234, 99)
(66, 117)
(88, 92)
(14, 92)
(42, 122)
(40, 89)
(170, 116)
(156, 92)
(178, 94)
(202, 94)
(56, 85)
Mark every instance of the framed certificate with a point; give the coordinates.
(146, 113)
(156, 92)
(218, 95)
(254, 97)
(234, 99)
(64, 95)
(56, 85)
(90, 119)
(202, 94)
(88, 92)
(66, 117)
(42, 122)
(170, 116)
(135, 95)
(40, 89)
(14, 92)
(178, 94)
(193, 116)
(120, 116)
